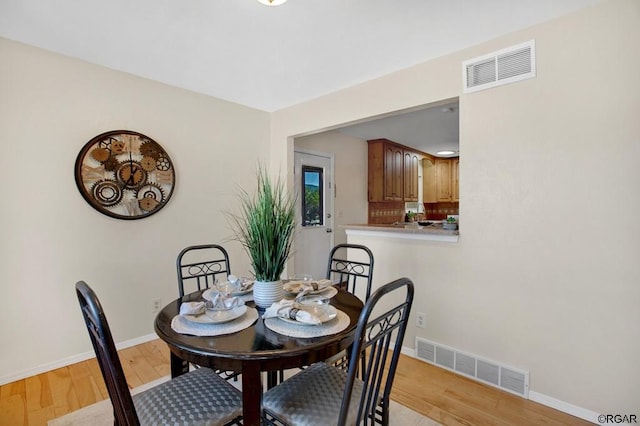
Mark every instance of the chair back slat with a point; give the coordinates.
(348, 272)
(212, 263)
(374, 339)
(100, 334)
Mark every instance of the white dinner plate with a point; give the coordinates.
(213, 316)
(295, 287)
(323, 312)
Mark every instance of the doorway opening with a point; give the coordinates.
(313, 173)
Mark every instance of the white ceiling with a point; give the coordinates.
(429, 130)
(266, 57)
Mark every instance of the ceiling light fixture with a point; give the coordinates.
(272, 2)
(445, 152)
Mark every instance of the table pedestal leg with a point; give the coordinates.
(251, 393)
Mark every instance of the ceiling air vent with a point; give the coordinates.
(495, 69)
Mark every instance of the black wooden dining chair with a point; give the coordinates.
(199, 266)
(197, 397)
(360, 395)
(347, 272)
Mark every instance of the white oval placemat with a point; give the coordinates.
(336, 325)
(184, 326)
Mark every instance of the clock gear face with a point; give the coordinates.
(125, 174)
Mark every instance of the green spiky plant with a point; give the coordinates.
(265, 226)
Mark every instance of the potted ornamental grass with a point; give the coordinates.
(265, 228)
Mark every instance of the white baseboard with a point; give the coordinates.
(565, 407)
(554, 403)
(409, 352)
(70, 360)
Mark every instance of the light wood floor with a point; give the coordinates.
(444, 396)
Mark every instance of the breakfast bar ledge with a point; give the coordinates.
(411, 232)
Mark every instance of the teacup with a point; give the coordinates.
(301, 277)
(225, 287)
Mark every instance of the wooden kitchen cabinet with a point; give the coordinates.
(385, 171)
(393, 172)
(455, 190)
(443, 180)
(440, 179)
(429, 180)
(411, 172)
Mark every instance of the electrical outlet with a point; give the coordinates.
(156, 305)
(421, 320)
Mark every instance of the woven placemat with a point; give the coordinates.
(336, 325)
(182, 325)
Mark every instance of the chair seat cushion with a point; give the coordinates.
(312, 397)
(199, 397)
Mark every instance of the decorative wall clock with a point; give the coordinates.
(125, 174)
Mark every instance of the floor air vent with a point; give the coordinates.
(495, 69)
(490, 372)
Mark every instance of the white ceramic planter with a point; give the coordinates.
(266, 293)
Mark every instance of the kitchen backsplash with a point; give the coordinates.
(385, 213)
(390, 212)
(438, 211)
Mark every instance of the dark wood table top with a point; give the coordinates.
(253, 349)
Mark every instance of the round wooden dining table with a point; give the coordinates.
(253, 350)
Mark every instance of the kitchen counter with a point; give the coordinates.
(411, 231)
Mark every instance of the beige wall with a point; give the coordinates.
(350, 174)
(50, 106)
(545, 276)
